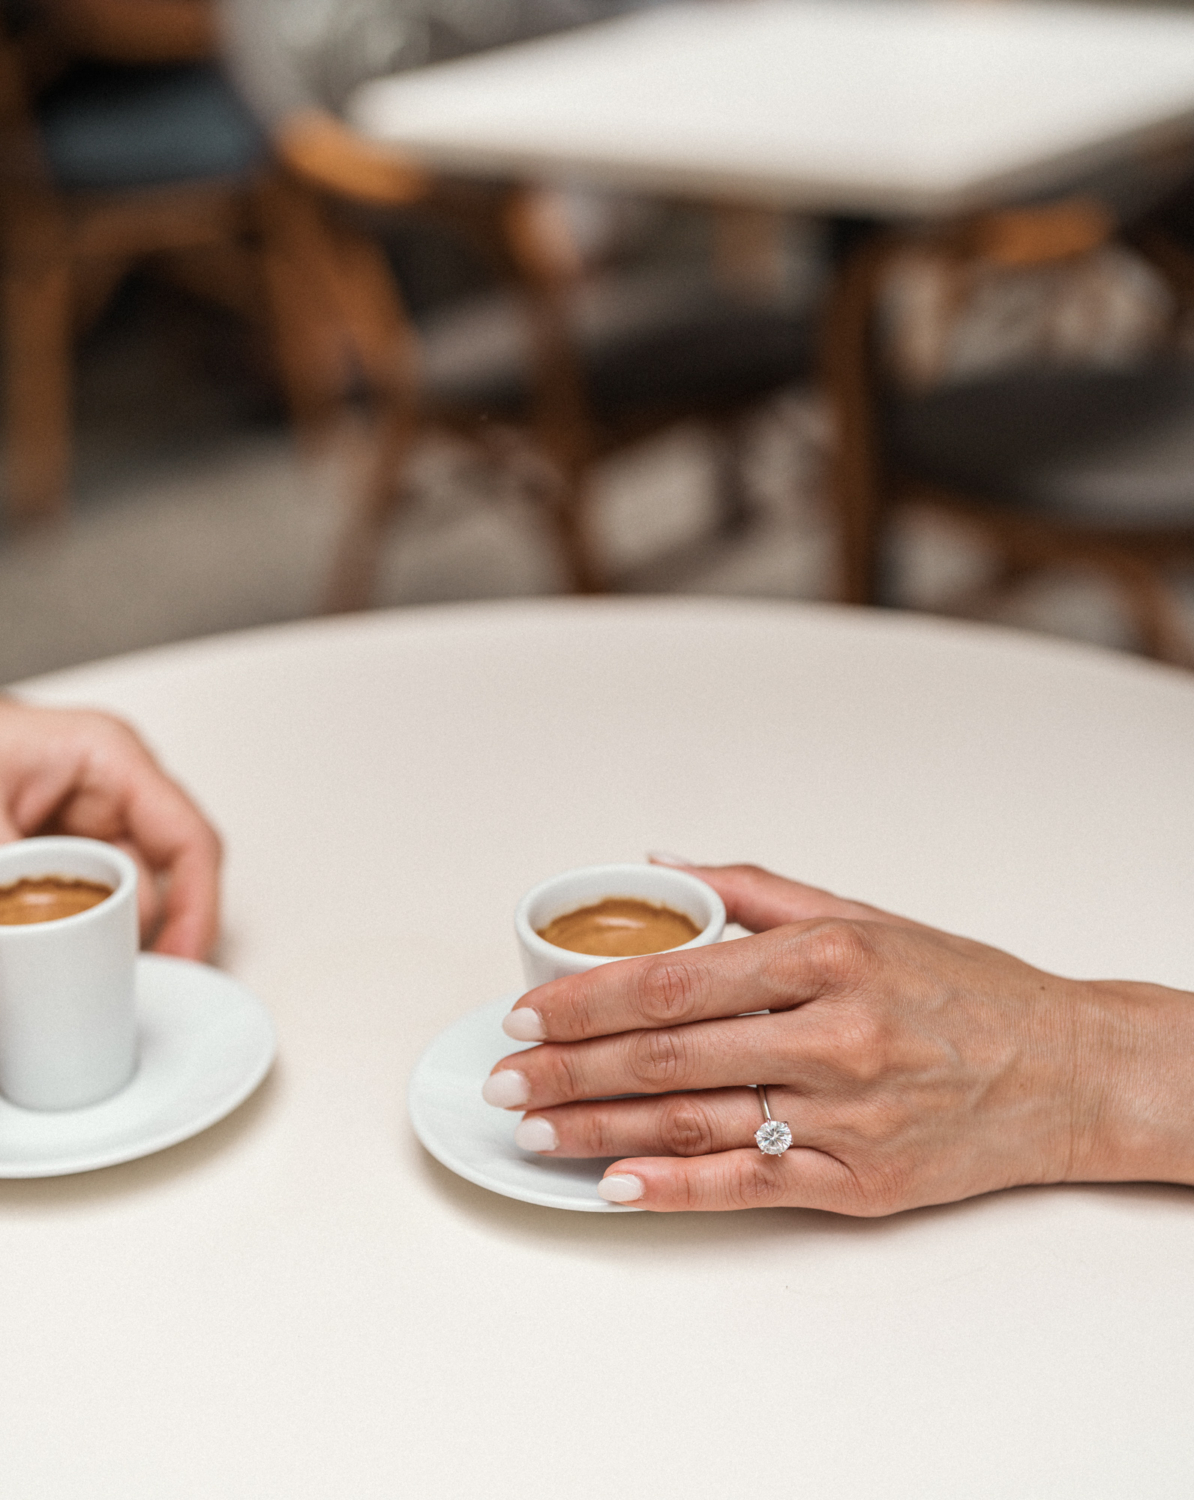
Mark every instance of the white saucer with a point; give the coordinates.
(205, 1045)
(475, 1140)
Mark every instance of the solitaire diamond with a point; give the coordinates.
(773, 1137)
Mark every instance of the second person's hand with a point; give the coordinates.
(89, 774)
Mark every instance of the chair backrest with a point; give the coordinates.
(855, 366)
(955, 257)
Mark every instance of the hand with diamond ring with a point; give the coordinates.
(912, 1067)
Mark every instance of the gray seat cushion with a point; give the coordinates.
(654, 342)
(105, 127)
(1112, 449)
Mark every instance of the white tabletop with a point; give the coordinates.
(302, 1304)
(871, 106)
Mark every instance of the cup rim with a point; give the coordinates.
(51, 843)
(531, 939)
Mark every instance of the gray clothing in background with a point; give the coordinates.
(291, 55)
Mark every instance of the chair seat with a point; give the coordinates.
(1107, 449)
(107, 128)
(648, 342)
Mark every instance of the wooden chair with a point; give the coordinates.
(137, 152)
(584, 368)
(1049, 465)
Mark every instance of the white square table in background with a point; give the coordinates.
(883, 107)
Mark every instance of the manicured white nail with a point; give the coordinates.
(536, 1134)
(506, 1088)
(676, 860)
(620, 1187)
(524, 1025)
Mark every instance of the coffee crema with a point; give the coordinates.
(620, 927)
(48, 898)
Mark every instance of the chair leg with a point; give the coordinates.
(573, 529)
(311, 346)
(562, 417)
(37, 318)
(373, 504)
(733, 494)
(564, 433)
(386, 350)
(1158, 620)
(856, 475)
(94, 283)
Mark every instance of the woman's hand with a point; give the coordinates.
(913, 1067)
(88, 774)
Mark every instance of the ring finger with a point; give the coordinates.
(687, 1124)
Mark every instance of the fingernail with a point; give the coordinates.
(620, 1187)
(524, 1025)
(506, 1088)
(536, 1134)
(677, 860)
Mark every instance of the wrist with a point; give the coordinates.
(1134, 1079)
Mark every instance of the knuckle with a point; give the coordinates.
(685, 1129)
(114, 733)
(658, 1060)
(594, 1134)
(581, 1015)
(864, 1043)
(756, 1184)
(565, 1072)
(667, 994)
(209, 840)
(885, 1189)
(840, 951)
(688, 1193)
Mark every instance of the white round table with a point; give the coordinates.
(302, 1303)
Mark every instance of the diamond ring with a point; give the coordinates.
(773, 1137)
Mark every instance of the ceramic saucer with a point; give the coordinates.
(475, 1140)
(205, 1044)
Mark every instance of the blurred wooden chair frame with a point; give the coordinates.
(351, 321)
(65, 251)
(521, 234)
(869, 480)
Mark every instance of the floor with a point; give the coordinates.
(193, 514)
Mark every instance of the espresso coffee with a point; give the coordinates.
(620, 927)
(48, 898)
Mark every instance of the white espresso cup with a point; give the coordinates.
(659, 884)
(68, 1032)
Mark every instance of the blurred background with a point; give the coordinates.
(257, 368)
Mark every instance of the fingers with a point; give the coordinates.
(178, 843)
(758, 900)
(801, 1178)
(696, 1151)
(775, 970)
(89, 774)
(149, 897)
(690, 1124)
(120, 793)
(783, 1049)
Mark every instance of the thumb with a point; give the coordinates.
(758, 900)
